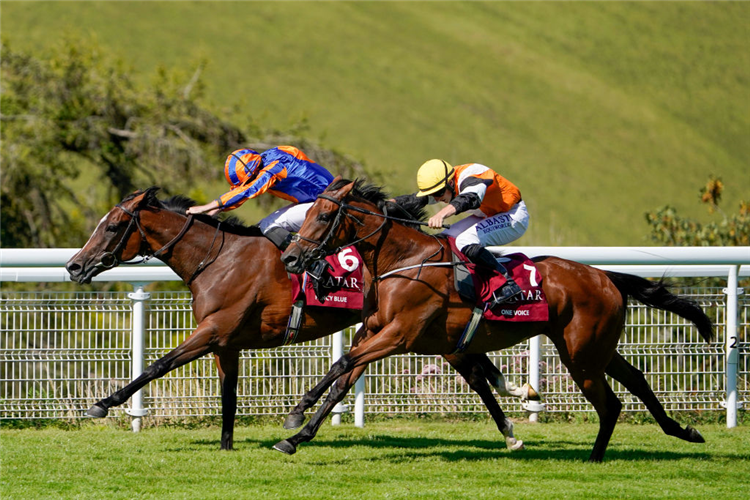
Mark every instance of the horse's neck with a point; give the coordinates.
(186, 254)
(400, 246)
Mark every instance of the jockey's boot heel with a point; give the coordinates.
(480, 255)
(508, 291)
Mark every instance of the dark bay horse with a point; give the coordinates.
(416, 309)
(241, 297)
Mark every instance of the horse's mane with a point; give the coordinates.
(180, 204)
(406, 208)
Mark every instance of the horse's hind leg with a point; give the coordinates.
(634, 381)
(473, 369)
(227, 362)
(607, 406)
(505, 388)
(192, 348)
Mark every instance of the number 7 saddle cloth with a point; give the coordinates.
(476, 284)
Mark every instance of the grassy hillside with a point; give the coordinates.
(597, 111)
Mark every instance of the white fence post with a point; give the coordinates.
(139, 297)
(359, 398)
(535, 355)
(731, 350)
(337, 350)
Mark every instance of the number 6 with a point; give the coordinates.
(348, 262)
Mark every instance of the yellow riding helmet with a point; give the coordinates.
(433, 176)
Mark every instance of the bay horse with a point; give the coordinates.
(417, 309)
(241, 297)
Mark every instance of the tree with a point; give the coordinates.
(670, 229)
(76, 113)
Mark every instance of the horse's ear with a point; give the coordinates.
(149, 197)
(345, 190)
(334, 181)
(142, 199)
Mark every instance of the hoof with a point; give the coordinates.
(516, 446)
(294, 420)
(97, 411)
(285, 447)
(531, 393)
(693, 435)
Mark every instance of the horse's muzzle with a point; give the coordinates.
(80, 273)
(293, 260)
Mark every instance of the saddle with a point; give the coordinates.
(476, 285)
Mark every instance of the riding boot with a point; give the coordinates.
(480, 255)
(279, 237)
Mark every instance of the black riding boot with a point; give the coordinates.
(480, 255)
(279, 237)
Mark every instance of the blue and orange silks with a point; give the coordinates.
(283, 171)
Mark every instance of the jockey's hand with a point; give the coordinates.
(436, 221)
(211, 208)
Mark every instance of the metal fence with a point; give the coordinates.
(62, 351)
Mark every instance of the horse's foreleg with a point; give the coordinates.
(634, 381)
(350, 366)
(227, 362)
(192, 348)
(338, 392)
(296, 417)
(471, 368)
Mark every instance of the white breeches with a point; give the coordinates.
(500, 229)
(290, 218)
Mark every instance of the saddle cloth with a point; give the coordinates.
(344, 278)
(477, 287)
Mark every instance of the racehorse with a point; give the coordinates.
(241, 297)
(418, 310)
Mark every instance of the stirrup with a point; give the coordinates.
(505, 293)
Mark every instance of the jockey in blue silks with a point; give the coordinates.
(283, 171)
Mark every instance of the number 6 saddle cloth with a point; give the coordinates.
(476, 284)
(344, 279)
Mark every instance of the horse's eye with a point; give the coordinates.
(324, 217)
(112, 228)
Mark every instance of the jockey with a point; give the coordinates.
(499, 215)
(283, 171)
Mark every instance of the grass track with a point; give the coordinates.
(402, 459)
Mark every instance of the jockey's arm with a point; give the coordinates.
(211, 209)
(251, 189)
(436, 221)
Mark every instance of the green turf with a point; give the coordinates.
(400, 459)
(599, 111)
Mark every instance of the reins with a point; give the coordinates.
(320, 251)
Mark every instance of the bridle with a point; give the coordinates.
(108, 260)
(320, 251)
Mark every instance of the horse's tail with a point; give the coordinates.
(658, 295)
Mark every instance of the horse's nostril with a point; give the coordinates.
(73, 268)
